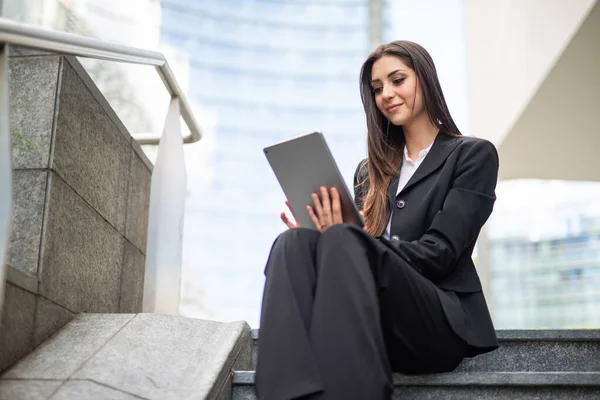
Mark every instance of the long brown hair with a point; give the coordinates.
(385, 141)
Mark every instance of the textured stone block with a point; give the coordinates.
(530, 350)
(22, 279)
(29, 193)
(142, 155)
(495, 393)
(243, 392)
(90, 153)
(547, 335)
(243, 362)
(16, 330)
(81, 254)
(545, 356)
(480, 385)
(132, 279)
(478, 363)
(19, 51)
(49, 318)
(75, 390)
(61, 355)
(27, 390)
(33, 83)
(245, 357)
(138, 203)
(160, 356)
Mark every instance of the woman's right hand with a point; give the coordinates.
(294, 224)
(286, 220)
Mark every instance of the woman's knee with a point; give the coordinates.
(299, 235)
(293, 243)
(341, 243)
(340, 235)
(294, 239)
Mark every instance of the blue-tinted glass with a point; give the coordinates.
(268, 71)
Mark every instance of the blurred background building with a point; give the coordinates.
(525, 75)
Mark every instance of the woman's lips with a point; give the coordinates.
(394, 107)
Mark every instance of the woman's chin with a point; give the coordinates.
(398, 121)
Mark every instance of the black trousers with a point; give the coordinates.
(340, 312)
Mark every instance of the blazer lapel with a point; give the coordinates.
(441, 149)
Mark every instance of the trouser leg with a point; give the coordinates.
(374, 313)
(286, 367)
(418, 336)
(345, 332)
(338, 310)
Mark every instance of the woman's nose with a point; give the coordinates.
(388, 92)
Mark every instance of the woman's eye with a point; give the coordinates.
(376, 90)
(398, 81)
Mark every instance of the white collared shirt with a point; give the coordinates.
(406, 172)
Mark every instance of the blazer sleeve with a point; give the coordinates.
(361, 185)
(467, 207)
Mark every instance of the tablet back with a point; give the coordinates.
(304, 164)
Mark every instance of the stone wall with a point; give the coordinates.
(81, 197)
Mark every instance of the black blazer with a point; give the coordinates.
(436, 219)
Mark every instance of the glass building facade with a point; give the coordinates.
(544, 255)
(266, 71)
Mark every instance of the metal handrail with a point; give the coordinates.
(16, 33)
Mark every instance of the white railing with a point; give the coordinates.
(165, 221)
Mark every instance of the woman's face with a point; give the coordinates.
(396, 89)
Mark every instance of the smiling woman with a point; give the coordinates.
(405, 109)
(343, 307)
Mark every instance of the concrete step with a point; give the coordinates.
(530, 350)
(472, 385)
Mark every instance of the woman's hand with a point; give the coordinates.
(327, 211)
(286, 220)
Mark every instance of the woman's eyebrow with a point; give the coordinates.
(389, 75)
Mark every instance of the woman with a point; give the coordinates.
(344, 307)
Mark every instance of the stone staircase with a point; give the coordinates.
(530, 364)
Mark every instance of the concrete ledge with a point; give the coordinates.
(529, 350)
(472, 385)
(537, 335)
(152, 356)
(550, 335)
(476, 378)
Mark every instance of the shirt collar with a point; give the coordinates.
(422, 153)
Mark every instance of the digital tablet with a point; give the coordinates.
(302, 165)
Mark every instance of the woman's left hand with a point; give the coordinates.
(326, 211)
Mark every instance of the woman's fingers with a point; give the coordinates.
(287, 203)
(326, 210)
(285, 218)
(327, 216)
(336, 207)
(287, 221)
(317, 208)
(315, 219)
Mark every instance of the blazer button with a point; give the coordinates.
(401, 203)
(395, 237)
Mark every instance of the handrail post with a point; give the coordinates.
(5, 168)
(162, 281)
(20, 34)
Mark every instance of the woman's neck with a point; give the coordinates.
(419, 135)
